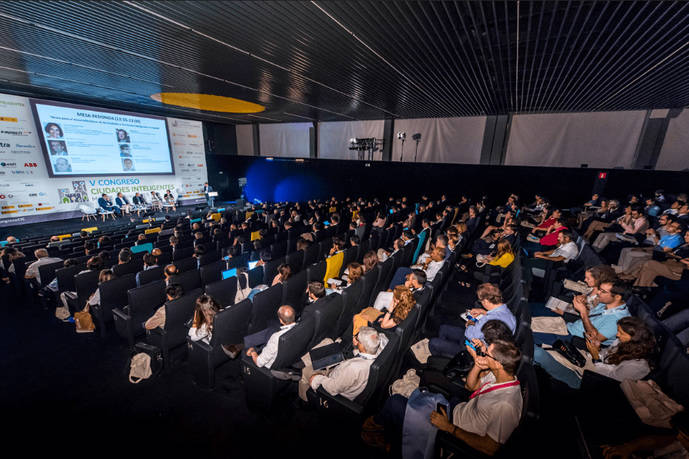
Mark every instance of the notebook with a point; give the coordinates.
(326, 356)
(252, 264)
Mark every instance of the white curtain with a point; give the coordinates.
(333, 137)
(245, 140)
(674, 154)
(285, 139)
(599, 139)
(443, 140)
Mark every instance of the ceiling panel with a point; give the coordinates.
(345, 60)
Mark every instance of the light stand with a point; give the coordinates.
(417, 138)
(402, 136)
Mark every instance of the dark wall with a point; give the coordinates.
(280, 180)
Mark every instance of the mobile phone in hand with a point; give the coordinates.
(441, 409)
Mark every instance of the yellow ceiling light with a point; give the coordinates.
(207, 102)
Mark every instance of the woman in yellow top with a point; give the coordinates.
(504, 256)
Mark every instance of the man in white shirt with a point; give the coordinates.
(42, 258)
(287, 317)
(350, 377)
(566, 251)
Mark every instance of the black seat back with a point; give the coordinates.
(294, 291)
(145, 300)
(270, 269)
(316, 272)
(231, 324)
(177, 314)
(150, 275)
(47, 272)
(350, 306)
(370, 279)
(85, 284)
(296, 260)
(113, 293)
(293, 344)
(265, 307)
(350, 255)
(255, 276)
(186, 264)
(311, 255)
(189, 280)
(212, 272)
(224, 291)
(209, 257)
(182, 253)
(134, 266)
(325, 318)
(65, 278)
(383, 278)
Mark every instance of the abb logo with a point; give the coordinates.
(30, 165)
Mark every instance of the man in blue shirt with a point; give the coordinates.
(601, 321)
(450, 339)
(106, 204)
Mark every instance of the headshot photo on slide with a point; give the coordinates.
(62, 165)
(57, 148)
(127, 165)
(122, 136)
(54, 131)
(125, 151)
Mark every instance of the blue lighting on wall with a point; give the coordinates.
(283, 181)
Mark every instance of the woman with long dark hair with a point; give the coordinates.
(629, 357)
(204, 314)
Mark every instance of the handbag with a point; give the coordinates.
(84, 321)
(568, 351)
(140, 368)
(459, 366)
(62, 313)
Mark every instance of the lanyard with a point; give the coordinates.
(480, 390)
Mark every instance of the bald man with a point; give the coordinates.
(287, 317)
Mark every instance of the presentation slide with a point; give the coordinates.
(78, 140)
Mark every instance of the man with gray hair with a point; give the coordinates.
(42, 258)
(287, 317)
(350, 377)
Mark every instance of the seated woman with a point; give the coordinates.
(504, 256)
(402, 303)
(204, 313)
(103, 276)
(508, 220)
(284, 271)
(429, 264)
(627, 358)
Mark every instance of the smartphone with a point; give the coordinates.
(441, 409)
(470, 344)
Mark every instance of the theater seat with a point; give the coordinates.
(142, 303)
(173, 335)
(338, 406)
(229, 327)
(113, 294)
(262, 386)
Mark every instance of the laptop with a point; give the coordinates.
(252, 264)
(147, 247)
(229, 273)
(326, 356)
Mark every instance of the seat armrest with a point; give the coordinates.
(200, 344)
(326, 399)
(121, 314)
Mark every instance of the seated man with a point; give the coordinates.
(149, 263)
(42, 258)
(601, 321)
(429, 265)
(172, 292)
(349, 378)
(635, 224)
(450, 338)
(287, 318)
(484, 422)
(106, 204)
(566, 251)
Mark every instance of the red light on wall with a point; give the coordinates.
(603, 175)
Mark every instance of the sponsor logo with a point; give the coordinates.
(20, 145)
(23, 206)
(5, 145)
(4, 185)
(30, 165)
(6, 164)
(29, 185)
(199, 165)
(15, 132)
(32, 195)
(42, 194)
(18, 172)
